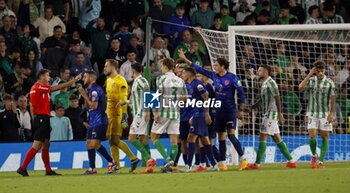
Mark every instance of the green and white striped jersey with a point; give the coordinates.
(139, 86)
(173, 89)
(318, 95)
(269, 90)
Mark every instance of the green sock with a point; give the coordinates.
(312, 143)
(324, 148)
(261, 152)
(283, 148)
(144, 160)
(139, 146)
(174, 150)
(159, 146)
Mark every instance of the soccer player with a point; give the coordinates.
(270, 102)
(117, 91)
(226, 85)
(321, 93)
(40, 110)
(96, 102)
(167, 118)
(199, 121)
(141, 116)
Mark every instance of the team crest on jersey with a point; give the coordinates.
(227, 82)
(113, 85)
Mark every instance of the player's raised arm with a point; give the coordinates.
(303, 84)
(199, 69)
(66, 84)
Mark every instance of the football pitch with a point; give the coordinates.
(270, 178)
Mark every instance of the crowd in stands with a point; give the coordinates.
(69, 37)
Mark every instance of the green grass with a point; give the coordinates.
(271, 178)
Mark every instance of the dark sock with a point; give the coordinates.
(92, 158)
(102, 150)
(45, 156)
(29, 156)
(191, 151)
(209, 152)
(197, 159)
(202, 155)
(177, 155)
(222, 150)
(216, 153)
(236, 144)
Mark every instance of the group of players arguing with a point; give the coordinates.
(190, 130)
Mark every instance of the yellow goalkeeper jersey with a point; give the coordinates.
(117, 91)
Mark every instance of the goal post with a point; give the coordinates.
(290, 50)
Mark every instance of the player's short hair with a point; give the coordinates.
(137, 67)
(59, 107)
(320, 65)
(223, 62)
(266, 67)
(7, 97)
(113, 63)
(63, 69)
(41, 73)
(91, 72)
(169, 63)
(73, 97)
(190, 70)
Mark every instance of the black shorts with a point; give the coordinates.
(225, 121)
(41, 128)
(184, 129)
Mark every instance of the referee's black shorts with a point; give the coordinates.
(41, 127)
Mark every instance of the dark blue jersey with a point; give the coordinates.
(187, 112)
(196, 90)
(225, 89)
(97, 116)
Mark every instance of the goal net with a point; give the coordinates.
(290, 51)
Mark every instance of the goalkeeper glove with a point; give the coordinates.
(124, 121)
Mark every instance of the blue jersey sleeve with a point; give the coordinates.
(200, 89)
(207, 73)
(240, 91)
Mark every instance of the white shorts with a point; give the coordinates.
(138, 126)
(269, 126)
(319, 123)
(165, 125)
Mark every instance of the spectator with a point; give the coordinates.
(161, 12)
(71, 56)
(80, 65)
(134, 44)
(11, 35)
(64, 76)
(136, 30)
(157, 54)
(204, 16)
(61, 8)
(99, 43)
(33, 63)
(330, 59)
(27, 77)
(243, 9)
(136, 9)
(185, 45)
(24, 118)
(44, 24)
(112, 11)
(271, 8)
(297, 10)
(344, 102)
(125, 68)
(89, 13)
(61, 128)
(175, 31)
(6, 70)
(329, 15)
(4, 10)
(28, 13)
(217, 23)
(56, 41)
(62, 98)
(282, 59)
(75, 115)
(123, 36)
(263, 18)
(250, 56)
(27, 42)
(9, 125)
(343, 74)
(227, 20)
(285, 15)
(196, 55)
(115, 52)
(314, 12)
